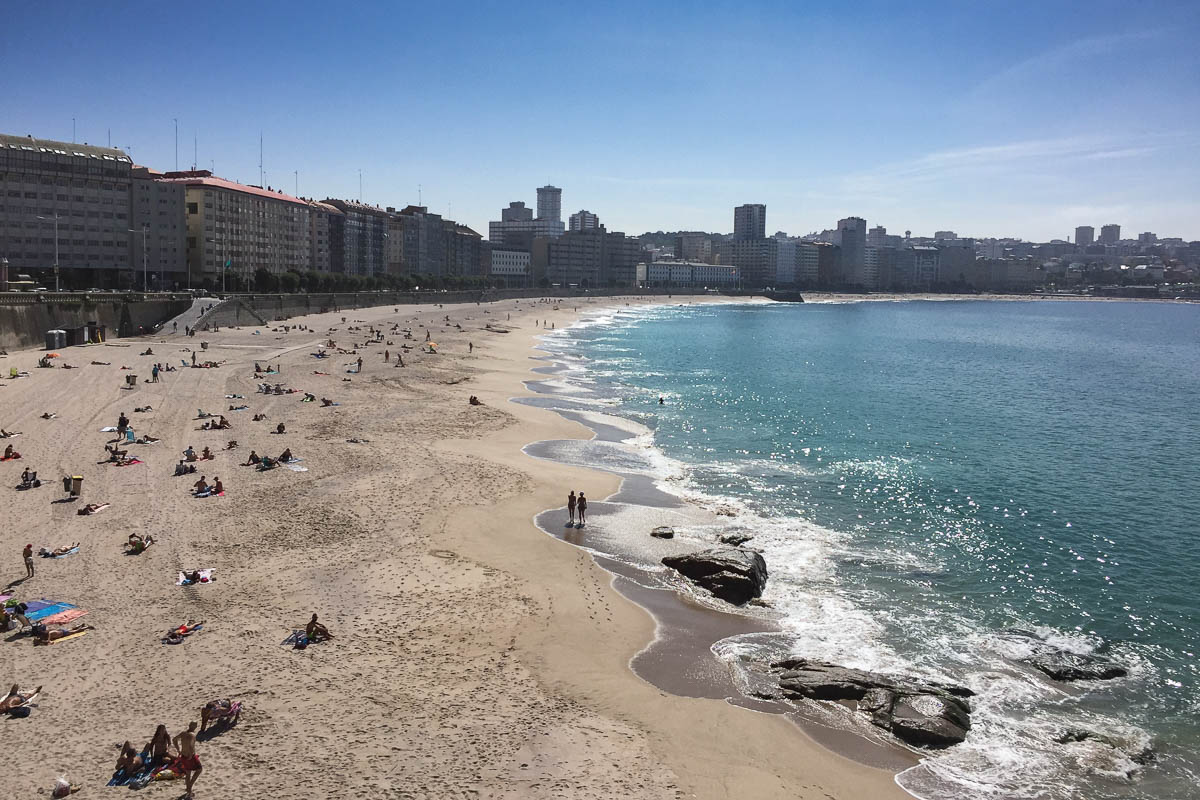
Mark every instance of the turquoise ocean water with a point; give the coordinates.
(924, 476)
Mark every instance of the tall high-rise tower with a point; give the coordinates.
(749, 222)
(549, 203)
(853, 232)
(1110, 234)
(1084, 235)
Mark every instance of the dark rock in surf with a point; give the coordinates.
(663, 532)
(734, 575)
(924, 714)
(1062, 665)
(1134, 751)
(736, 539)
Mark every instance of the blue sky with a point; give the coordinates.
(1014, 118)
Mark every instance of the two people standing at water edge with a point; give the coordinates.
(576, 504)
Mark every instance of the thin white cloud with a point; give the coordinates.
(1036, 67)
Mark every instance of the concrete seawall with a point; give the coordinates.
(25, 318)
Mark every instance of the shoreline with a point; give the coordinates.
(475, 656)
(679, 659)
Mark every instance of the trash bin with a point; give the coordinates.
(131, 381)
(76, 485)
(56, 339)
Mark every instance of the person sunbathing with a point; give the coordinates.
(200, 486)
(29, 479)
(308, 398)
(44, 635)
(58, 551)
(8, 434)
(286, 456)
(139, 543)
(159, 746)
(14, 699)
(218, 709)
(259, 417)
(189, 454)
(130, 761)
(267, 463)
(252, 460)
(91, 508)
(315, 631)
(206, 455)
(49, 415)
(326, 402)
(233, 445)
(147, 439)
(114, 454)
(280, 428)
(143, 409)
(218, 487)
(10, 453)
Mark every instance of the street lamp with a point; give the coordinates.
(55, 249)
(145, 273)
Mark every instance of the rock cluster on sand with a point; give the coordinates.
(732, 574)
(920, 713)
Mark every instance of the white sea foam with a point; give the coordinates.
(1011, 751)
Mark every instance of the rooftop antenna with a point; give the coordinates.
(110, 137)
(72, 130)
(419, 194)
(176, 143)
(296, 172)
(360, 186)
(260, 169)
(195, 150)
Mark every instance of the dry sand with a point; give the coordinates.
(476, 657)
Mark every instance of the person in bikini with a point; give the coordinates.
(15, 699)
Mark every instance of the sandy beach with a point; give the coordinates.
(475, 656)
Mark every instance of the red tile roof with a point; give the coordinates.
(205, 178)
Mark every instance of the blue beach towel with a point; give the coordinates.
(48, 611)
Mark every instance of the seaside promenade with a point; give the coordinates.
(475, 656)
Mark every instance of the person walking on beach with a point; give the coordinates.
(571, 506)
(188, 762)
(27, 554)
(582, 506)
(360, 363)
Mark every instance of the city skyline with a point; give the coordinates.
(1051, 121)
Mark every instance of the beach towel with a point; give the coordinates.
(13, 457)
(85, 511)
(209, 494)
(4, 597)
(63, 617)
(299, 637)
(206, 576)
(129, 463)
(296, 468)
(70, 552)
(109, 429)
(34, 605)
(46, 611)
(196, 629)
(67, 638)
